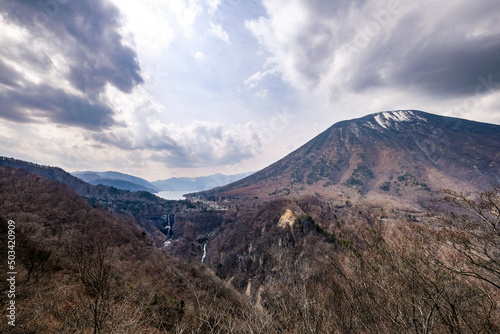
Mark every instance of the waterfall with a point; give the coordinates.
(204, 252)
(169, 234)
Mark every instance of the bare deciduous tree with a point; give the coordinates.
(92, 258)
(473, 233)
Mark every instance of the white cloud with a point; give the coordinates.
(212, 143)
(213, 5)
(257, 77)
(217, 31)
(199, 55)
(199, 144)
(146, 26)
(186, 14)
(262, 93)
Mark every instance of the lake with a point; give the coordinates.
(174, 195)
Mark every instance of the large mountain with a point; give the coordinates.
(393, 154)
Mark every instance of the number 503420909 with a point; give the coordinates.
(11, 245)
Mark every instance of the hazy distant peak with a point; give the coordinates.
(117, 180)
(198, 183)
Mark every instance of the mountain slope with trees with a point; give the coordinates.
(83, 269)
(146, 209)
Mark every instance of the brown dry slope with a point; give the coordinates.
(85, 270)
(403, 154)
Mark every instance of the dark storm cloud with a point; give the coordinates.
(85, 34)
(316, 41)
(31, 103)
(455, 70)
(440, 55)
(315, 54)
(326, 9)
(8, 76)
(447, 50)
(153, 141)
(88, 32)
(448, 61)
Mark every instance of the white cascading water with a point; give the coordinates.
(204, 252)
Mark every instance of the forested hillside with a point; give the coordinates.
(303, 267)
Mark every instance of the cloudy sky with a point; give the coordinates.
(162, 88)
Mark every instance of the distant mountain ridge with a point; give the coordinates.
(399, 153)
(117, 180)
(198, 183)
(133, 183)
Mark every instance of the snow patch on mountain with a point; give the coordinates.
(382, 121)
(399, 116)
(390, 119)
